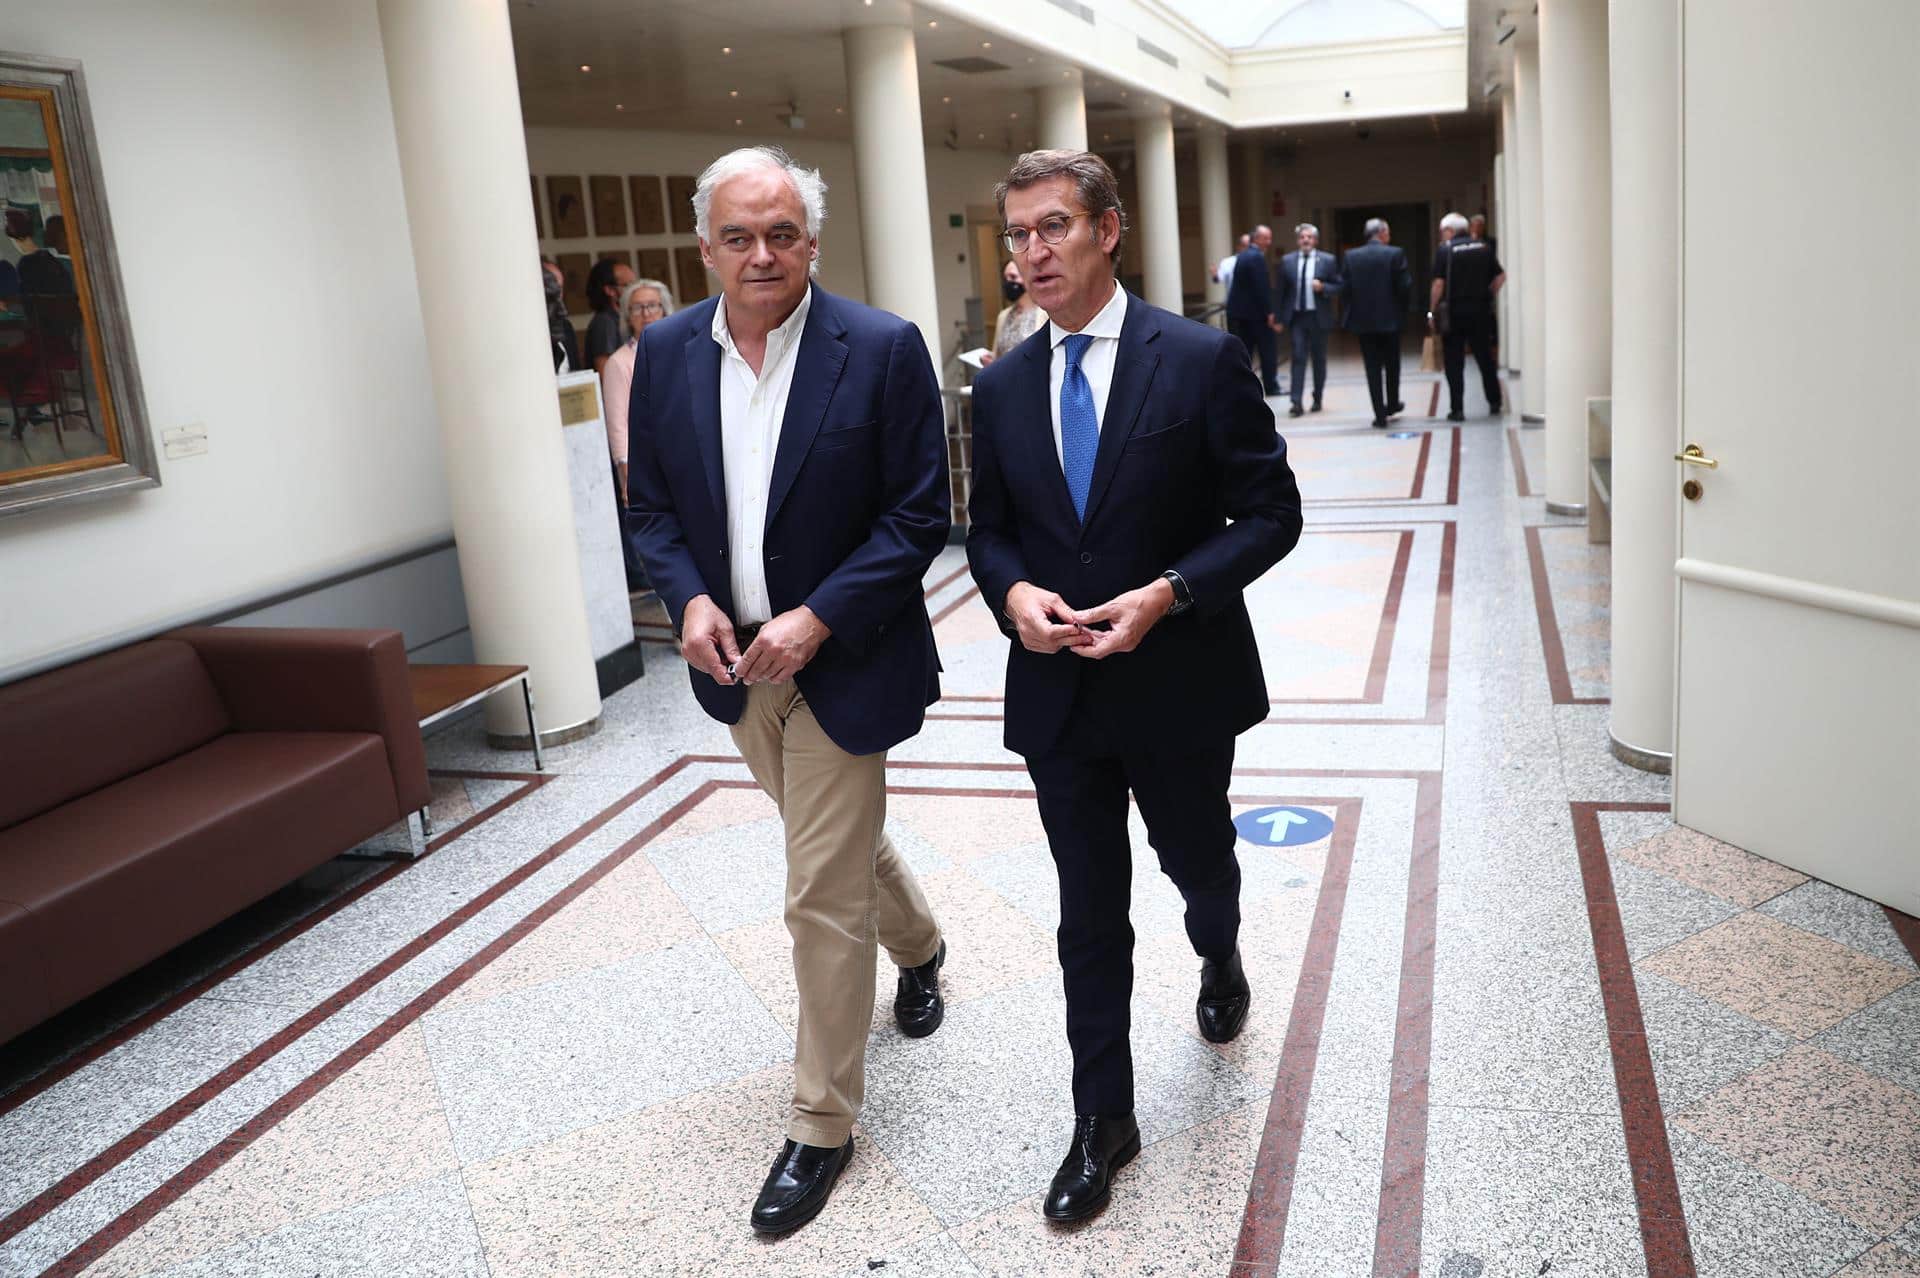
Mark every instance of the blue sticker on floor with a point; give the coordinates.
(1283, 827)
(1403, 434)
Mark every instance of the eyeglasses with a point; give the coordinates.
(1052, 230)
(650, 308)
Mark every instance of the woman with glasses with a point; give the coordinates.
(642, 302)
(1020, 319)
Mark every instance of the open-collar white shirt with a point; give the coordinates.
(752, 409)
(1097, 363)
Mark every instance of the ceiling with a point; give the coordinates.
(725, 66)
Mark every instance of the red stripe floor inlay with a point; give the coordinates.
(1558, 679)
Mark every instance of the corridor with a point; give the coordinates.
(1508, 1019)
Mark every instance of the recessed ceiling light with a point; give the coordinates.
(1066, 75)
(839, 110)
(946, 99)
(585, 67)
(733, 93)
(931, 22)
(726, 48)
(619, 106)
(739, 121)
(1013, 115)
(983, 136)
(986, 44)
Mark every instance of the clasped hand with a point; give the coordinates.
(1046, 624)
(780, 651)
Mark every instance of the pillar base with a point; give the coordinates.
(1660, 761)
(1566, 508)
(549, 737)
(1533, 421)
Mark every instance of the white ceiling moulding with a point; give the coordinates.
(1377, 79)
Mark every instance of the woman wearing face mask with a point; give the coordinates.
(566, 347)
(1019, 319)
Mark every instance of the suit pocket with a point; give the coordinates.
(1159, 437)
(832, 437)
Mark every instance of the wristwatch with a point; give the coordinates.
(1182, 597)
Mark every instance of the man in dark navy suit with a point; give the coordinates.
(1128, 484)
(1379, 284)
(1309, 281)
(788, 490)
(1250, 315)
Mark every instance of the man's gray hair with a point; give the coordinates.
(1305, 227)
(807, 184)
(1375, 225)
(1453, 222)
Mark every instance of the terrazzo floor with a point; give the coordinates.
(1508, 1018)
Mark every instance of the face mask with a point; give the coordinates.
(1012, 290)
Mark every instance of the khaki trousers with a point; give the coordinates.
(848, 892)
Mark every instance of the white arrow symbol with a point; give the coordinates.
(1278, 823)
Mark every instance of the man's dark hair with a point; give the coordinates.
(1092, 180)
(599, 279)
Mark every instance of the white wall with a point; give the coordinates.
(955, 179)
(254, 188)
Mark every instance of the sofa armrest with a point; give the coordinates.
(294, 680)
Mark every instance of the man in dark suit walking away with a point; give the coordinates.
(1250, 313)
(1379, 285)
(787, 481)
(1128, 486)
(1466, 277)
(1309, 281)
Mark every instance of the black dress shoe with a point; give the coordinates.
(1101, 1147)
(918, 1008)
(1316, 406)
(1456, 417)
(1379, 423)
(1396, 408)
(798, 1186)
(1224, 999)
(1296, 411)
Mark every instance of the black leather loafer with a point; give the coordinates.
(1396, 408)
(1316, 406)
(1456, 417)
(1296, 411)
(798, 1186)
(1101, 1146)
(918, 1008)
(1224, 999)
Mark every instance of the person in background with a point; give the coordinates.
(1250, 314)
(560, 335)
(641, 302)
(1223, 269)
(1379, 285)
(1309, 281)
(605, 331)
(1477, 228)
(1019, 319)
(1467, 276)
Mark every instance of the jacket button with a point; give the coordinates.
(1086, 556)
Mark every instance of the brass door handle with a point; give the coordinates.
(1693, 456)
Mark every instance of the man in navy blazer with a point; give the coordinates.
(1128, 485)
(787, 478)
(1379, 285)
(1309, 281)
(1250, 314)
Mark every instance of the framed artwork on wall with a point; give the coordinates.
(73, 422)
(567, 207)
(622, 256)
(649, 206)
(574, 267)
(657, 264)
(692, 272)
(680, 204)
(609, 205)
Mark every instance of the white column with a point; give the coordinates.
(1644, 68)
(1513, 233)
(1158, 231)
(463, 165)
(1500, 224)
(1533, 229)
(890, 166)
(1579, 249)
(1063, 115)
(1216, 209)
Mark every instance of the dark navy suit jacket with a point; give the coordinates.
(1250, 294)
(1190, 474)
(1326, 269)
(1379, 282)
(858, 508)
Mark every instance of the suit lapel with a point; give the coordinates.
(1035, 396)
(1133, 368)
(703, 393)
(816, 372)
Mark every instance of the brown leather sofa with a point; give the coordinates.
(148, 793)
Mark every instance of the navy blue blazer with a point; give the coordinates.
(1326, 269)
(1190, 474)
(858, 508)
(1379, 282)
(1250, 293)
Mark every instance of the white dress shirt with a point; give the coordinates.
(1304, 299)
(751, 412)
(1097, 361)
(1224, 271)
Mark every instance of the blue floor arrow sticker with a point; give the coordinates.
(1283, 827)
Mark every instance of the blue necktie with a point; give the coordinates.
(1079, 427)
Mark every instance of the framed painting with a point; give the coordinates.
(73, 423)
(567, 207)
(680, 204)
(649, 207)
(573, 269)
(609, 205)
(692, 272)
(656, 264)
